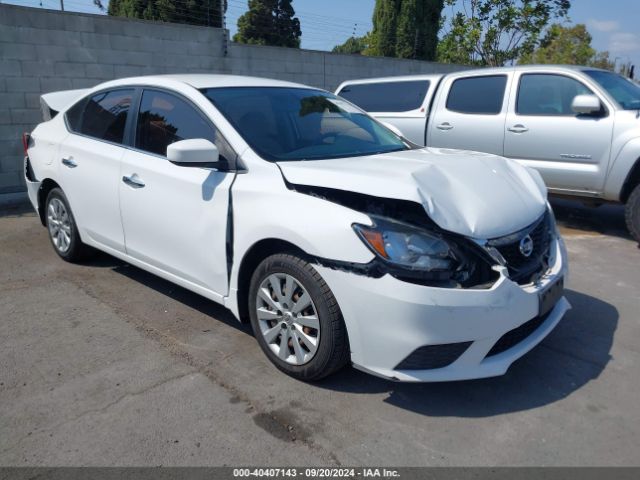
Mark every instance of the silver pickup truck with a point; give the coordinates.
(578, 126)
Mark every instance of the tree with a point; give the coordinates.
(405, 28)
(193, 12)
(494, 32)
(269, 22)
(353, 45)
(570, 45)
(417, 30)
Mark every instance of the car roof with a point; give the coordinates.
(203, 80)
(399, 78)
(490, 70)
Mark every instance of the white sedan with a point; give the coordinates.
(337, 238)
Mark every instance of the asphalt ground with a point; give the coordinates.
(105, 364)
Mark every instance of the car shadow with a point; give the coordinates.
(576, 352)
(574, 217)
(170, 290)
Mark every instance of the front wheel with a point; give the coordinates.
(632, 213)
(296, 318)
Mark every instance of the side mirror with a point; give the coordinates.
(586, 104)
(196, 152)
(393, 128)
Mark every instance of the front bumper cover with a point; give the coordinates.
(388, 319)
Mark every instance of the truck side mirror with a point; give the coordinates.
(586, 104)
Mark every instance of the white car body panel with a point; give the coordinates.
(177, 227)
(92, 187)
(191, 220)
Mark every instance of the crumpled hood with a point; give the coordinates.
(474, 194)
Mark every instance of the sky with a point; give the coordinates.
(614, 24)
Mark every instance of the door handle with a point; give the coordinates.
(133, 181)
(69, 162)
(518, 129)
(444, 126)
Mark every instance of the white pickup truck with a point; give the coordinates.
(578, 126)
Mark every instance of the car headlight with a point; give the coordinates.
(406, 246)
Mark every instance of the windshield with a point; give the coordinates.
(282, 123)
(623, 91)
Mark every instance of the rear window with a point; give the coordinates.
(387, 96)
(102, 116)
(477, 95)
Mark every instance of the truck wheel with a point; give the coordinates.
(296, 319)
(632, 213)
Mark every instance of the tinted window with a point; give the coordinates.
(477, 95)
(624, 91)
(387, 96)
(544, 94)
(164, 119)
(301, 124)
(102, 116)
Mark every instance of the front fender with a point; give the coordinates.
(620, 168)
(264, 208)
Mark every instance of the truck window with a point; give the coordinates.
(477, 95)
(548, 94)
(387, 96)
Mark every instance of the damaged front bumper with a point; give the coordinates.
(410, 332)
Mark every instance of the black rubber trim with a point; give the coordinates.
(430, 357)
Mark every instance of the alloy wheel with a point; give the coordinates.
(59, 225)
(288, 318)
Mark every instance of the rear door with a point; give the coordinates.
(90, 164)
(469, 113)
(402, 103)
(570, 151)
(175, 217)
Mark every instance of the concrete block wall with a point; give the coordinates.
(46, 50)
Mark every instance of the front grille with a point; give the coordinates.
(522, 268)
(433, 356)
(517, 335)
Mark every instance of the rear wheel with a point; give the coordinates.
(296, 318)
(632, 213)
(63, 231)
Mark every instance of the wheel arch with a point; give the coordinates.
(45, 187)
(632, 180)
(253, 256)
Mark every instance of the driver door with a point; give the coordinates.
(175, 217)
(570, 151)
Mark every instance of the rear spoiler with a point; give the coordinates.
(52, 103)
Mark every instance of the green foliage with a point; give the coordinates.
(354, 45)
(568, 45)
(269, 22)
(405, 29)
(495, 32)
(193, 12)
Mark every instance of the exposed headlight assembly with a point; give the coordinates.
(415, 251)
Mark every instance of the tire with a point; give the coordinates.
(632, 213)
(62, 228)
(282, 317)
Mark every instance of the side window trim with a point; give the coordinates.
(504, 92)
(86, 99)
(554, 74)
(137, 100)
